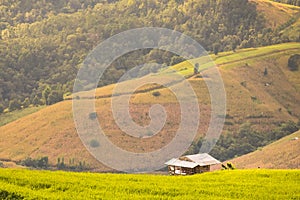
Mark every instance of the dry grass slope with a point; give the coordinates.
(276, 13)
(264, 101)
(282, 154)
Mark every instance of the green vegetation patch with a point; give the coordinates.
(6, 118)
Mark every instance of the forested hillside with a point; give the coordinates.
(29, 11)
(43, 43)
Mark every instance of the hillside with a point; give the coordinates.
(43, 44)
(239, 184)
(276, 13)
(51, 131)
(291, 2)
(282, 154)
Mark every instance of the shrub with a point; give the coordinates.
(224, 167)
(228, 123)
(93, 115)
(230, 166)
(149, 133)
(244, 84)
(289, 127)
(294, 62)
(94, 143)
(253, 98)
(36, 163)
(156, 93)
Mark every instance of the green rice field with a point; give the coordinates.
(236, 184)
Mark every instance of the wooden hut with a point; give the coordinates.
(191, 164)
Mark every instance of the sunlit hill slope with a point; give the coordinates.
(252, 96)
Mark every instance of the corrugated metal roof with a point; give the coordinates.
(203, 159)
(181, 163)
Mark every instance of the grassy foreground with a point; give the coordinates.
(239, 184)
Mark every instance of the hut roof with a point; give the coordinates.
(203, 159)
(181, 163)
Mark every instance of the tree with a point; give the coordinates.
(54, 97)
(36, 163)
(266, 72)
(294, 62)
(26, 103)
(196, 68)
(176, 59)
(49, 52)
(1, 108)
(61, 163)
(43, 162)
(14, 105)
(46, 93)
(216, 48)
(36, 101)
